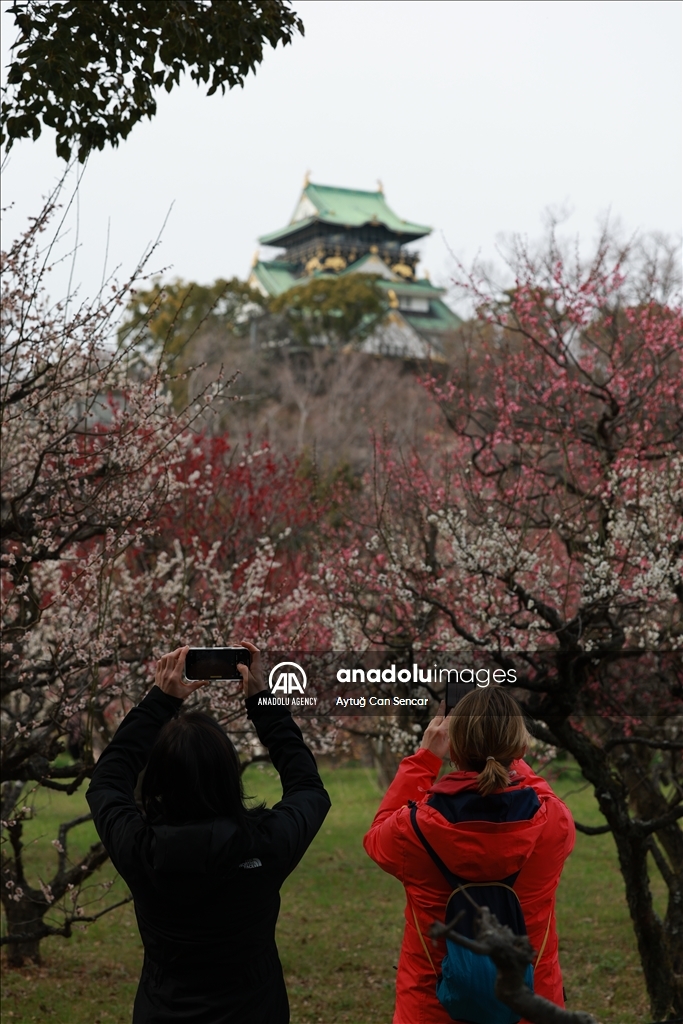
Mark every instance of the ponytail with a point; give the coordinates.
(493, 775)
(487, 733)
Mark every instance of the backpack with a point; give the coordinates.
(466, 986)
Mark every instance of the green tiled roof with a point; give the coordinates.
(347, 208)
(275, 276)
(443, 319)
(421, 288)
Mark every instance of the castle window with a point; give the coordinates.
(413, 304)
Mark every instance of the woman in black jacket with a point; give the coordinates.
(204, 871)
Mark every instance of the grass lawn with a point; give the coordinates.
(340, 925)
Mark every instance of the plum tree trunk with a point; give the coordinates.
(659, 941)
(653, 948)
(25, 907)
(24, 917)
(666, 847)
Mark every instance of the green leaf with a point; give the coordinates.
(72, 58)
(63, 148)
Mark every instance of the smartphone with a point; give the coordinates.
(215, 662)
(456, 692)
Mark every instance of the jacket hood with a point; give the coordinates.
(483, 838)
(194, 848)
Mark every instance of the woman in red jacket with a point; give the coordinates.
(489, 819)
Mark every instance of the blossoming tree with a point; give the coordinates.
(125, 531)
(542, 531)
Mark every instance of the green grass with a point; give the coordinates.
(340, 926)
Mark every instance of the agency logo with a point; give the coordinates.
(287, 678)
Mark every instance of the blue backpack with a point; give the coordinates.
(466, 987)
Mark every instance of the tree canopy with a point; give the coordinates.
(90, 70)
(541, 528)
(167, 316)
(164, 322)
(338, 310)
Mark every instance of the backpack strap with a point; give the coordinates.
(452, 879)
(545, 938)
(422, 938)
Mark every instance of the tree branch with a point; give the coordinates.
(539, 730)
(592, 830)
(255, 759)
(64, 876)
(511, 954)
(645, 828)
(64, 787)
(664, 869)
(65, 827)
(657, 744)
(47, 929)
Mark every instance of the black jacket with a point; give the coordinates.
(207, 894)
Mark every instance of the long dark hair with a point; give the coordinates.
(193, 774)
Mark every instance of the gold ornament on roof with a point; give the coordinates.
(254, 259)
(335, 263)
(313, 264)
(374, 249)
(393, 299)
(380, 186)
(307, 179)
(403, 269)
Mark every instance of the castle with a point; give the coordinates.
(337, 231)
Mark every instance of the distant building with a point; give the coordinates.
(346, 231)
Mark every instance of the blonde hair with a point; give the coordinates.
(487, 732)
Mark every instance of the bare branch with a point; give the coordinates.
(101, 913)
(593, 830)
(65, 930)
(65, 827)
(65, 787)
(644, 828)
(664, 869)
(511, 954)
(657, 744)
(254, 759)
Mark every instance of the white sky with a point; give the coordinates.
(477, 116)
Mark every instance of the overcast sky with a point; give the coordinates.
(476, 116)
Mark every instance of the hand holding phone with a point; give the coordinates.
(435, 736)
(169, 674)
(252, 674)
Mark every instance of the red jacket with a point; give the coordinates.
(525, 828)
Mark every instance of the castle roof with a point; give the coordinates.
(346, 208)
